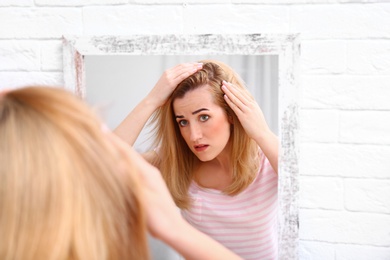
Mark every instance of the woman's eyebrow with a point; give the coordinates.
(195, 112)
(199, 110)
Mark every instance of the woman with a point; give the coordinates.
(69, 189)
(216, 153)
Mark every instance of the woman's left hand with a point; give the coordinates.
(246, 109)
(252, 119)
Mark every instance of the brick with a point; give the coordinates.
(313, 250)
(19, 55)
(345, 227)
(78, 2)
(319, 125)
(368, 195)
(330, 60)
(184, 3)
(346, 92)
(352, 21)
(51, 55)
(361, 252)
(16, 3)
(278, 2)
(39, 22)
(345, 160)
(298, 2)
(321, 193)
(21, 79)
(235, 19)
(137, 19)
(368, 127)
(368, 57)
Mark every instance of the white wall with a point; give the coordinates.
(345, 97)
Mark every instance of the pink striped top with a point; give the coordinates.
(245, 223)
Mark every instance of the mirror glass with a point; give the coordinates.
(115, 84)
(113, 73)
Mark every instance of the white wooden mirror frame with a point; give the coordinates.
(286, 46)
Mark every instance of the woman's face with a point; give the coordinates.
(203, 124)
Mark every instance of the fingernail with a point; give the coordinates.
(200, 65)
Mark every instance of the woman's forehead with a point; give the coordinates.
(195, 99)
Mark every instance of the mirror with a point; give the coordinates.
(115, 72)
(117, 83)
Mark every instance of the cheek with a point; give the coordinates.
(221, 127)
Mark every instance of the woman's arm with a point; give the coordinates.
(166, 223)
(252, 119)
(163, 217)
(192, 244)
(269, 144)
(129, 129)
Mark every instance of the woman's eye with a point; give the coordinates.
(204, 118)
(183, 122)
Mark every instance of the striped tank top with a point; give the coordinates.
(245, 223)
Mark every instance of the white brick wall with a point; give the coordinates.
(345, 92)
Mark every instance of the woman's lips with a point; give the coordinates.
(201, 147)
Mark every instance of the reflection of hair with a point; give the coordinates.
(60, 193)
(177, 160)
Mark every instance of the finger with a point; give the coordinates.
(233, 96)
(232, 105)
(185, 70)
(243, 94)
(178, 69)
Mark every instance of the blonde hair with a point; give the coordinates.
(176, 161)
(61, 196)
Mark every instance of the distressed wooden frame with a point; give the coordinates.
(286, 46)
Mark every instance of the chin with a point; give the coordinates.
(205, 158)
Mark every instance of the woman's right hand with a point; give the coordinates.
(169, 81)
(130, 128)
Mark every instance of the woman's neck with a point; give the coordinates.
(215, 174)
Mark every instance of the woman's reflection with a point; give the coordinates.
(216, 153)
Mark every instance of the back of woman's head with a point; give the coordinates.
(60, 192)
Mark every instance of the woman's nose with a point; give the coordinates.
(196, 132)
